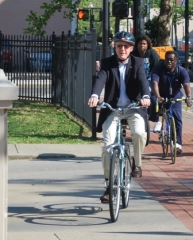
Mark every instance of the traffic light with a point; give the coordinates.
(83, 14)
(120, 9)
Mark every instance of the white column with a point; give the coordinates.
(8, 92)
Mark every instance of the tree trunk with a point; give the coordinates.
(176, 37)
(164, 22)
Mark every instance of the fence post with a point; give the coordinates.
(94, 43)
(62, 67)
(1, 55)
(53, 65)
(8, 93)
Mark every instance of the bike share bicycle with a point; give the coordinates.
(121, 163)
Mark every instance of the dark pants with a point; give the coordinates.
(177, 114)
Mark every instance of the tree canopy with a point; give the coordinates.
(169, 14)
(178, 13)
(37, 22)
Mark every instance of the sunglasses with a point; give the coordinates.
(170, 59)
(125, 46)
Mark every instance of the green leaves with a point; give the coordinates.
(152, 29)
(179, 13)
(37, 22)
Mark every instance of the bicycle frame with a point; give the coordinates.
(168, 131)
(120, 165)
(121, 147)
(168, 113)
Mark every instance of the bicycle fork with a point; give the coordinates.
(120, 156)
(165, 133)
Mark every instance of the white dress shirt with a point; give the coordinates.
(123, 98)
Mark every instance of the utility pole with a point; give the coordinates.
(148, 10)
(105, 40)
(138, 17)
(186, 32)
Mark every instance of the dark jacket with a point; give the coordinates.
(135, 80)
(151, 55)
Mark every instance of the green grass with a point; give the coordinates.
(39, 122)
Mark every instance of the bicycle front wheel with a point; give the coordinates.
(114, 185)
(126, 178)
(148, 133)
(173, 140)
(164, 136)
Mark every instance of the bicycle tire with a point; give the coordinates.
(173, 140)
(148, 133)
(127, 170)
(164, 137)
(114, 186)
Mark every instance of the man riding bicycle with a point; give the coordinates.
(167, 81)
(125, 81)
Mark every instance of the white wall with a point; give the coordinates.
(14, 12)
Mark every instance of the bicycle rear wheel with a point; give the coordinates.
(173, 140)
(164, 137)
(126, 178)
(114, 186)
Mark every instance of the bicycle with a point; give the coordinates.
(121, 163)
(167, 134)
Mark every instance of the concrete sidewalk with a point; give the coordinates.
(34, 151)
(54, 193)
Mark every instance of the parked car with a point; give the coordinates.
(181, 58)
(6, 53)
(181, 44)
(39, 57)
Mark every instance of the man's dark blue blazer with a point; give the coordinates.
(135, 79)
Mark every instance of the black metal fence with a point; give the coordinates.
(74, 64)
(58, 69)
(27, 62)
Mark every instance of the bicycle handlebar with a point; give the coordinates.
(134, 105)
(171, 101)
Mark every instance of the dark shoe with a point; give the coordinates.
(178, 151)
(105, 197)
(133, 163)
(137, 172)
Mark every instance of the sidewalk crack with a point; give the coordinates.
(16, 148)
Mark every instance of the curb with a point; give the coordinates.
(40, 156)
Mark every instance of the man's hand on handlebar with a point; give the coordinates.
(161, 100)
(145, 102)
(189, 102)
(92, 102)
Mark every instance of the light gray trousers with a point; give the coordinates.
(137, 127)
